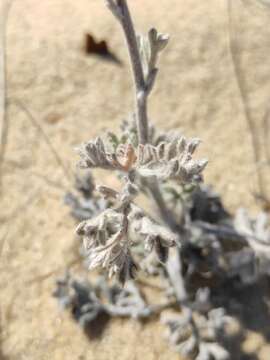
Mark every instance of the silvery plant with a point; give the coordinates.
(143, 161)
(191, 242)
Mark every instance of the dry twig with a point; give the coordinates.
(5, 8)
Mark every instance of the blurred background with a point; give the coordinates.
(214, 83)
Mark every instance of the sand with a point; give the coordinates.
(73, 98)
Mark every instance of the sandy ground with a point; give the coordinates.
(74, 97)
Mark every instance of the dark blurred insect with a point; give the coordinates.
(101, 49)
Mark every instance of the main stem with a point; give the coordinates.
(141, 94)
(142, 125)
(137, 69)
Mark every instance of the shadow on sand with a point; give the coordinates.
(250, 305)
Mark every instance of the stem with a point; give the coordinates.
(166, 215)
(174, 270)
(121, 11)
(141, 93)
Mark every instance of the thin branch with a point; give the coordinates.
(49, 274)
(142, 91)
(131, 40)
(247, 112)
(25, 204)
(266, 133)
(3, 240)
(57, 185)
(4, 14)
(35, 123)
